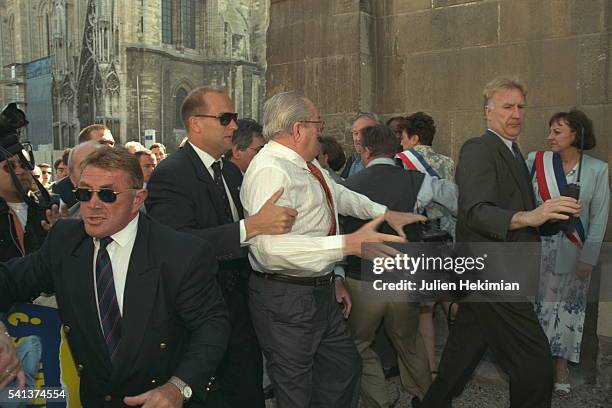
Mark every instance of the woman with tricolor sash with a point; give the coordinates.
(569, 254)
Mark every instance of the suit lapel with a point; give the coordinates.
(86, 309)
(520, 175)
(139, 297)
(208, 182)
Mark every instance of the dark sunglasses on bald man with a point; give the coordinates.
(225, 118)
(106, 195)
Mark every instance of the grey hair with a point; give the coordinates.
(95, 145)
(281, 111)
(500, 83)
(369, 115)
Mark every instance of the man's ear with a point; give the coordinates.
(236, 152)
(140, 197)
(366, 153)
(295, 131)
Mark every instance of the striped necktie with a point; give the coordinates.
(107, 298)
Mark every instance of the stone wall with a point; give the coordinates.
(395, 57)
(400, 56)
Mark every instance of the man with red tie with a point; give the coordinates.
(293, 294)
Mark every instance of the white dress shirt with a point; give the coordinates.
(208, 161)
(307, 250)
(119, 252)
(21, 211)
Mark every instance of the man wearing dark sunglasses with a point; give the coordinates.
(77, 155)
(139, 302)
(196, 191)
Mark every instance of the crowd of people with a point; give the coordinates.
(179, 277)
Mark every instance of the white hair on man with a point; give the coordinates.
(281, 111)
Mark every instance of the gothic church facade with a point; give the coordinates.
(127, 63)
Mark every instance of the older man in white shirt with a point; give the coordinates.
(311, 358)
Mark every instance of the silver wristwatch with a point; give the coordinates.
(185, 389)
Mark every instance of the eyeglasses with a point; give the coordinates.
(225, 118)
(321, 123)
(106, 195)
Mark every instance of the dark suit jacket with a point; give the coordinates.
(174, 318)
(183, 195)
(64, 188)
(493, 186)
(388, 185)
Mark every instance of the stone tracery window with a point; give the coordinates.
(167, 21)
(188, 15)
(44, 30)
(179, 22)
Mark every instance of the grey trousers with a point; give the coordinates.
(311, 358)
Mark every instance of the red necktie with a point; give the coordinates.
(19, 230)
(314, 170)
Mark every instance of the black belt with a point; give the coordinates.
(325, 280)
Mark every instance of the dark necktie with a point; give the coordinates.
(218, 177)
(520, 162)
(517, 152)
(107, 298)
(314, 170)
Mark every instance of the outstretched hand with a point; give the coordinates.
(368, 234)
(398, 220)
(53, 214)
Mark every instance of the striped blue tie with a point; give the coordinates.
(107, 298)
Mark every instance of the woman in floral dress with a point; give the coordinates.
(568, 257)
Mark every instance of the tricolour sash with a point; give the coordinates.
(549, 174)
(413, 160)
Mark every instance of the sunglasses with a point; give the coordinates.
(225, 118)
(106, 195)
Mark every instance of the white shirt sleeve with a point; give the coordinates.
(294, 252)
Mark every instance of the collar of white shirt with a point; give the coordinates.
(206, 158)
(279, 150)
(506, 141)
(126, 235)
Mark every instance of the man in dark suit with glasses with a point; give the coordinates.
(139, 302)
(195, 190)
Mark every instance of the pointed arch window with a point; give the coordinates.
(44, 30)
